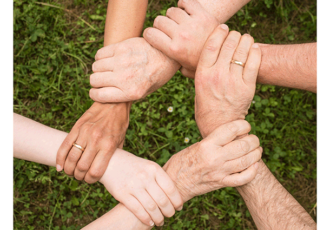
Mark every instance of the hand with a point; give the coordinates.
(217, 161)
(182, 34)
(143, 187)
(100, 130)
(224, 91)
(129, 70)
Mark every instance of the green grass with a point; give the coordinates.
(54, 47)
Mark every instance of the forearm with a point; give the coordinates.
(36, 142)
(124, 20)
(271, 205)
(291, 66)
(223, 10)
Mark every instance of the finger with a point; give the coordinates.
(252, 65)
(242, 163)
(228, 49)
(239, 179)
(108, 95)
(137, 209)
(103, 65)
(75, 154)
(212, 46)
(100, 164)
(228, 132)
(177, 15)
(166, 25)
(150, 206)
(105, 52)
(190, 6)
(158, 39)
(188, 73)
(239, 148)
(241, 54)
(168, 186)
(161, 199)
(104, 79)
(85, 162)
(64, 149)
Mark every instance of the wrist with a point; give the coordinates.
(176, 170)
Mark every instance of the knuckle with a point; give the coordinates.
(175, 48)
(232, 127)
(78, 177)
(96, 134)
(162, 201)
(153, 167)
(236, 182)
(143, 176)
(109, 146)
(244, 162)
(67, 171)
(82, 166)
(211, 46)
(170, 189)
(144, 217)
(88, 180)
(152, 206)
(95, 173)
(184, 35)
(67, 144)
(241, 52)
(244, 146)
(73, 156)
(230, 44)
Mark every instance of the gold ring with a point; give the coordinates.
(78, 146)
(238, 63)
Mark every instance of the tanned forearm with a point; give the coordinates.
(271, 205)
(124, 20)
(292, 66)
(224, 9)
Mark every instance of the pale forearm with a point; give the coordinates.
(119, 218)
(292, 66)
(271, 205)
(39, 143)
(223, 10)
(36, 142)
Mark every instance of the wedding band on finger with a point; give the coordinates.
(238, 63)
(78, 146)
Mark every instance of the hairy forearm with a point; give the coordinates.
(223, 10)
(291, 66)
(271, 205)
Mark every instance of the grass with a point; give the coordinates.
(54, 47)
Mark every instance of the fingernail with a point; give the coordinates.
(255, 45)
(151, 223)
(224, 26)
(179, 209)
(58, 168)
(256, 165)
